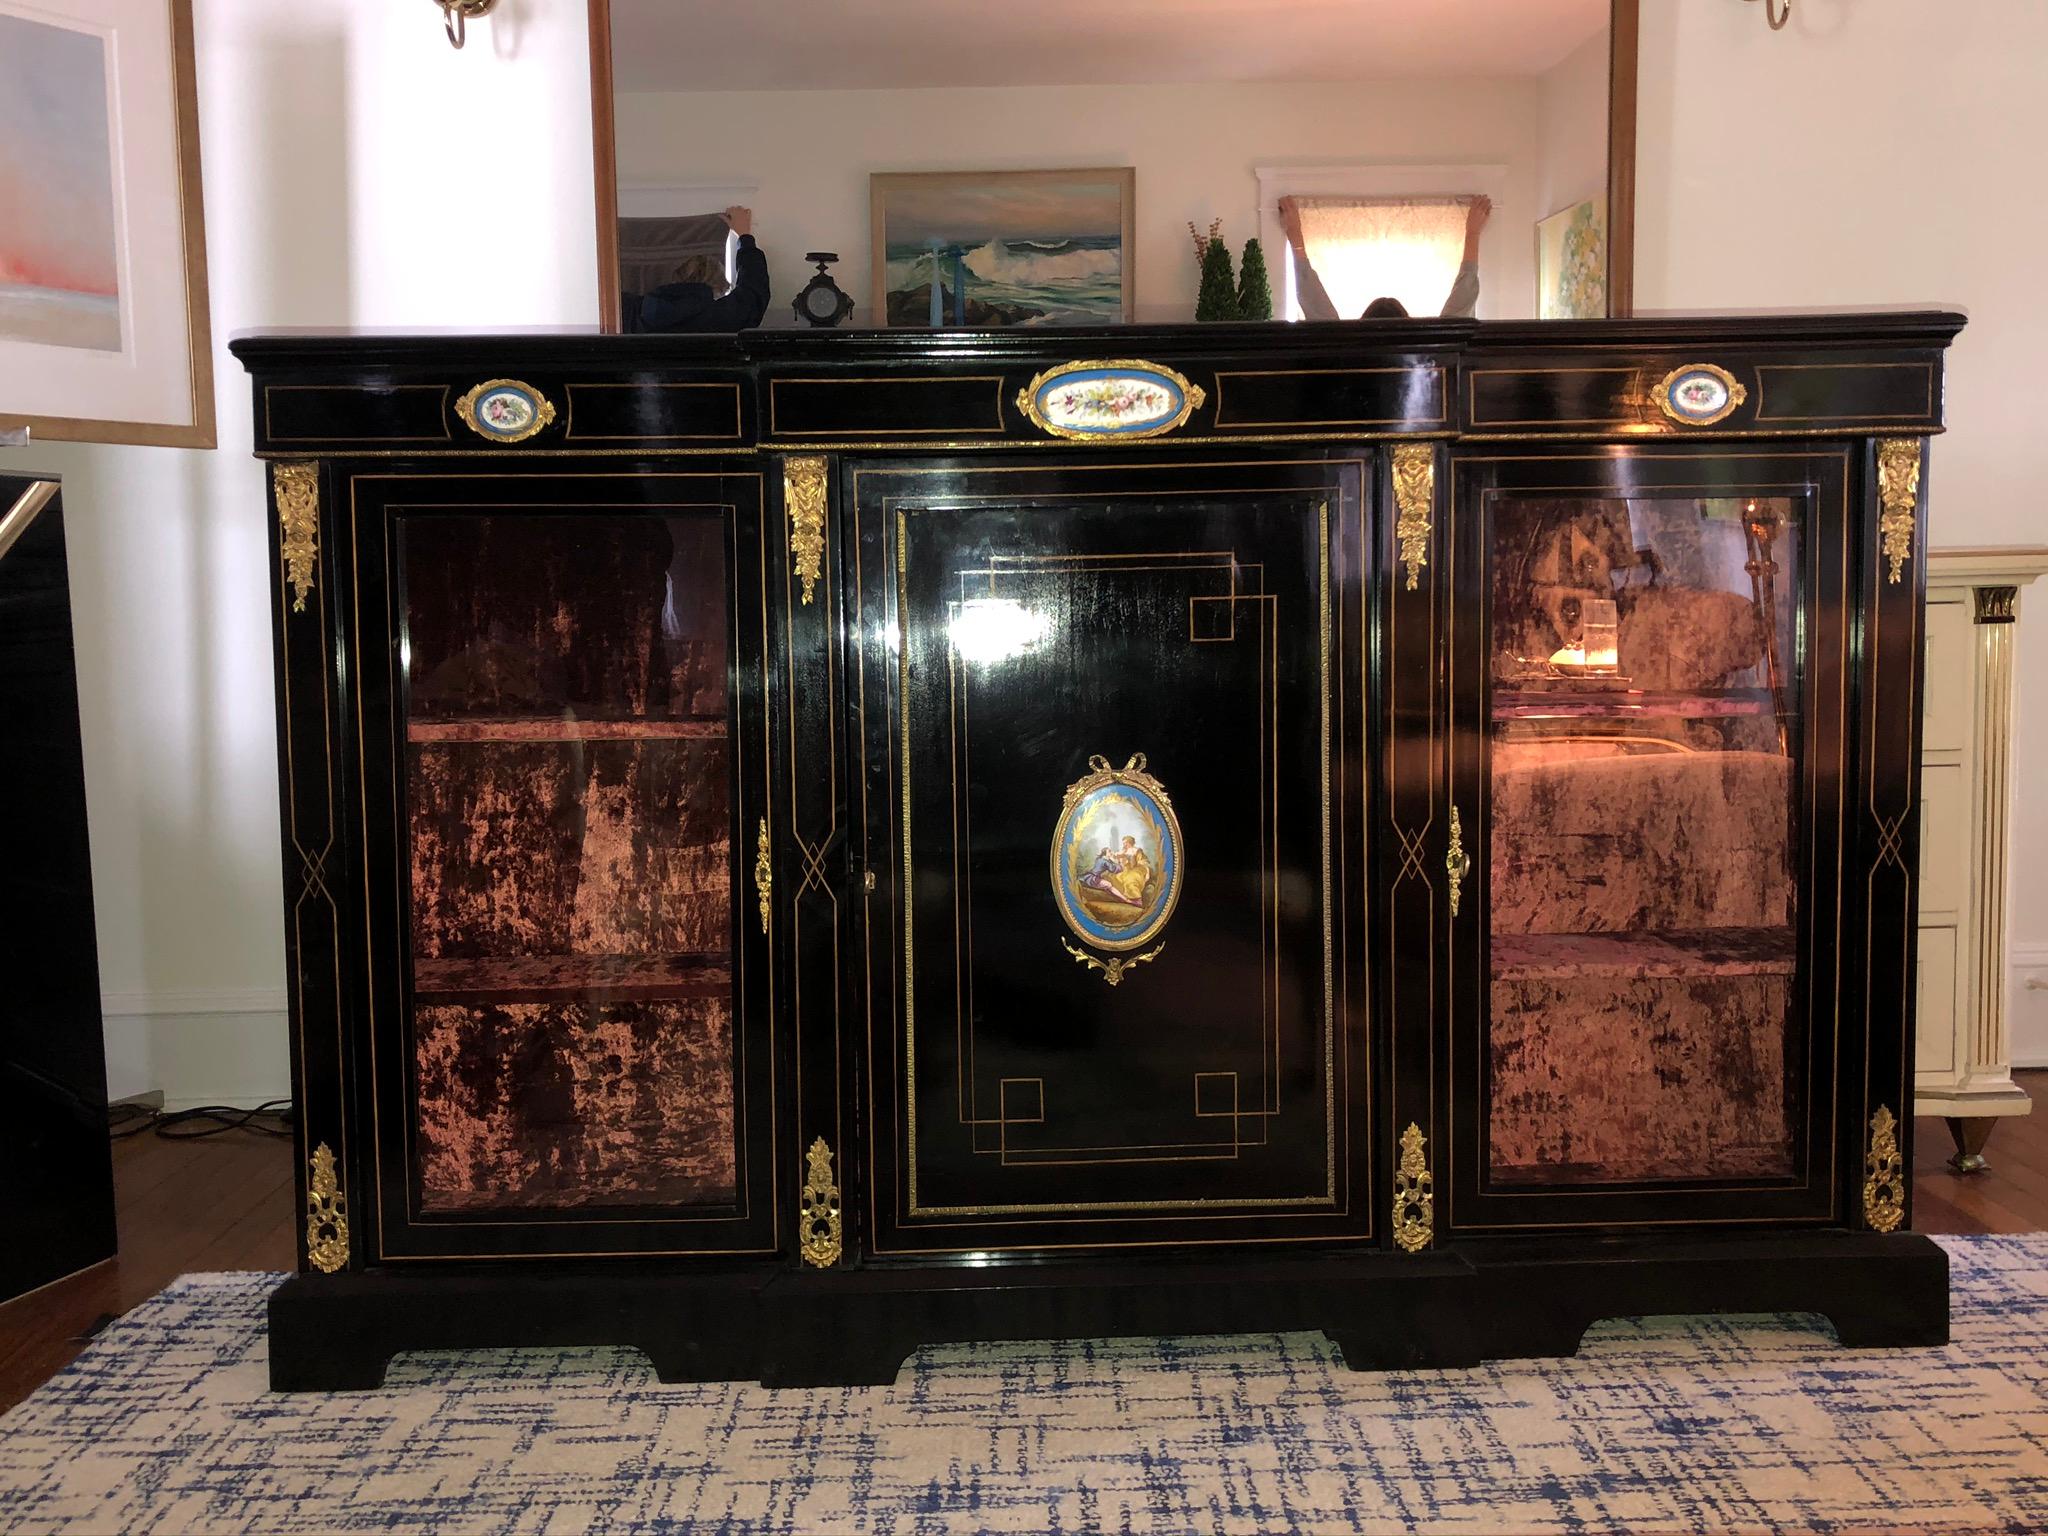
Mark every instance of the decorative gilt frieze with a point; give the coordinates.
(1414, 1195)
(1898, 492)
(764, 873)
(297, 488)
(1884, 1183)
(818, 1213)
(326, 1215)
(1457, 864)
(1415, 497)
(803, 498)
(1116, 967)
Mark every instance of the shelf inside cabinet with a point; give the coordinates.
(561, 978)
(1668, 954)
(1631, 704)
(546, 729)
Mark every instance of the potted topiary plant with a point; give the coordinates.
(1254, 287)
(1217, 298)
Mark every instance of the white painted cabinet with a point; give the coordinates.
(1963, 1069)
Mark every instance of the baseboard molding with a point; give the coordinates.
(199, 1048)
(159, 1005)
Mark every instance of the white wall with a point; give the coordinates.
(358, 171)
(1194, 148)
(1882, 152)
(1571, 105)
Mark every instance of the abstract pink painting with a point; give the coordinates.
(59, 257)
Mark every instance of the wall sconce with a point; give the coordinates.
(455, 15)
(1776, 12)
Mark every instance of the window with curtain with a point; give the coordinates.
(1406, 248)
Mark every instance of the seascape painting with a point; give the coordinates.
(59, 263)
(1003, 248)
(1571, 262)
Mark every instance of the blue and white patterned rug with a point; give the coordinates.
(1681, 1425)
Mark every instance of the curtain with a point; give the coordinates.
(1362, 249)
(650, 250)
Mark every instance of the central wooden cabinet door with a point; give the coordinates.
(1111, 745)
(562, 765)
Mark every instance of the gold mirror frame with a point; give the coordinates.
(1623, 35)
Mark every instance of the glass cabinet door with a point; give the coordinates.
(1646, 686)
(570, 1044)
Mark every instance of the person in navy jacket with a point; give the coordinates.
(700, 300)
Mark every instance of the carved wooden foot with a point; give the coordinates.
(1971, 1133)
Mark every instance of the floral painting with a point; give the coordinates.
(59, 277)
(1123, 399)
(1571, 262)
(507, 412)
(1002, 248)
(1115, 402)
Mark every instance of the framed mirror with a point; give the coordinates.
(1471, 156)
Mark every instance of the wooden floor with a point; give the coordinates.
(2010, 1196)
(226, 1203)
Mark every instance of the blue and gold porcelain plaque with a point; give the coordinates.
(1700, 394)
(1119, 400)
(1116, 856)
(505, 410)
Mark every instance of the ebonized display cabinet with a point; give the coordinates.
(799, 847)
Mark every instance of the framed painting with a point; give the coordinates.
(987, 249)
(1571, 262)
(104, 334)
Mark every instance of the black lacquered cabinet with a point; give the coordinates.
(799, 847)
(59, 1203)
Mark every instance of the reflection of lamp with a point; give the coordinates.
(992, 629)
(1600, 635)
(1597, 649)
(455, 15)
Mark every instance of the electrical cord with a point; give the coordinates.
(273, 1118)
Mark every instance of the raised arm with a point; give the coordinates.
(1464, 297)
(1476, 215)
(1308, 288)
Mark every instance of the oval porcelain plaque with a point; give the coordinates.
(505, 410)
(1120, 399)
(1116, 856)
(1700, 394)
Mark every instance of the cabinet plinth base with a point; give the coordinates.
(856, 1327)
(337, 1333)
